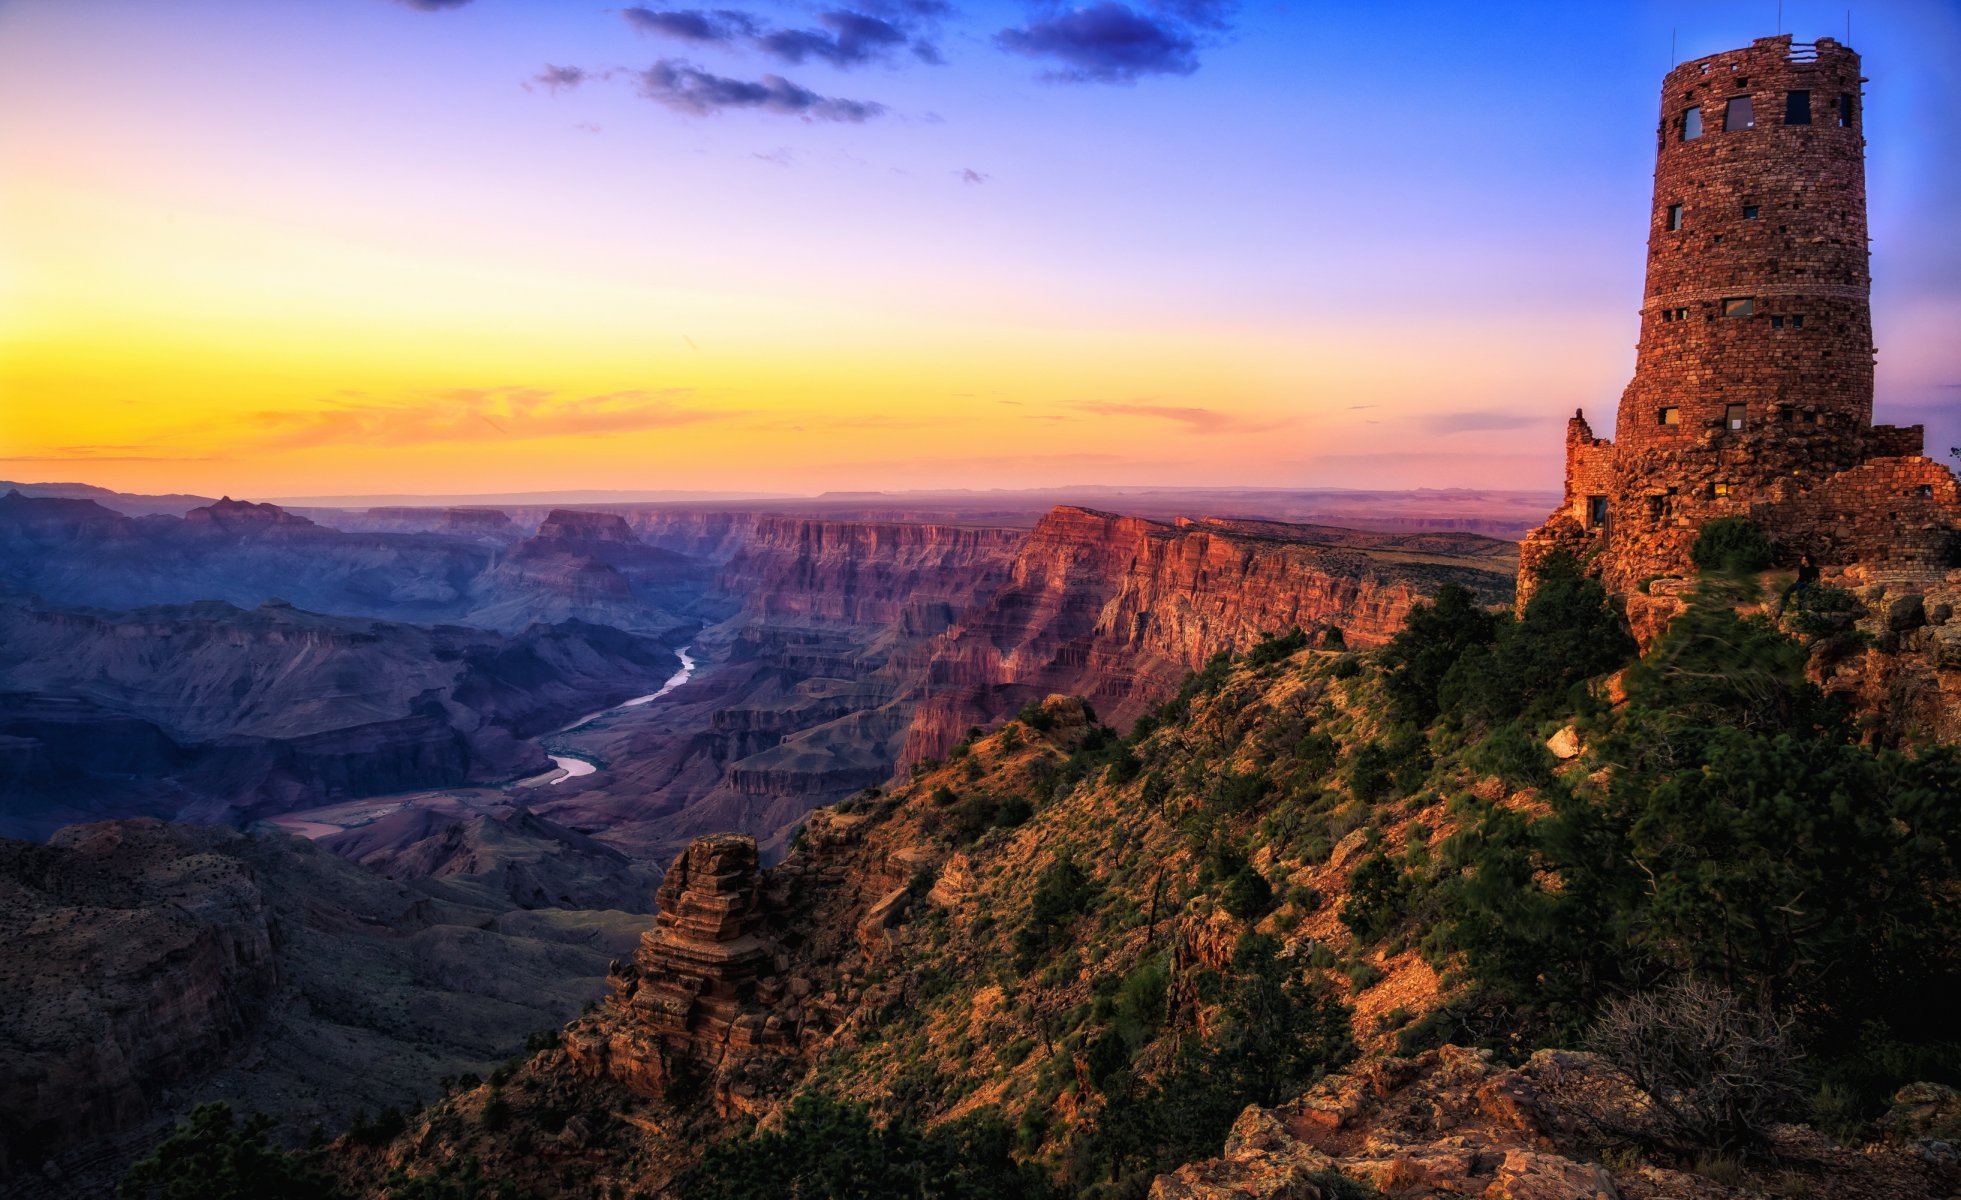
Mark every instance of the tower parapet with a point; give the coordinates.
(1753, 386)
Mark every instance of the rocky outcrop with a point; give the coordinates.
(695, 999)
(146, 967)
(1454, 1122)
(118, 980)
(1902, 675)
(1119, 609)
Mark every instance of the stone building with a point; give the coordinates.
(1753, 385)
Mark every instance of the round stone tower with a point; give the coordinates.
(1753, 385)
(1755, 361)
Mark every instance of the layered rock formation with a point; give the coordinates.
(1119, 609)
(913, 577)
(220, 714)
(797, 704)
(695, 998)
(146, 967)
(509, 854)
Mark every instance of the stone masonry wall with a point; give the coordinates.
(1752, 392)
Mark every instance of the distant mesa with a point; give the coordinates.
(240, 515)
(573, 525)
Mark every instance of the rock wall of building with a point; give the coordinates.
(1753, 385)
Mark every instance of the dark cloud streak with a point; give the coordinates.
(720, 27)
(553, 78)
(1105, 42)
(686, 88)
(847, 37)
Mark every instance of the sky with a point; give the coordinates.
(304, 247)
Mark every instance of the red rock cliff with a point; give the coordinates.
(867, 573)
(1119, 609)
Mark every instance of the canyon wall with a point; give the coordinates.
(146, 967)
(1118, 609)
(858, 573)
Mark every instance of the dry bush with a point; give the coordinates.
(1706, 1072)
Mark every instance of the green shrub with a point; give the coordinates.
(1731, 545)
(213, 1156)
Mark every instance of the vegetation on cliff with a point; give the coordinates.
(1070, 958)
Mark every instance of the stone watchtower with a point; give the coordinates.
(1753, 384)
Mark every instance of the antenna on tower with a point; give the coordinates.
(1671, 48)
(1780, 16)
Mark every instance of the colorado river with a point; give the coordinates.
(573, 766)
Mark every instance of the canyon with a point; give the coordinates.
(394, 690)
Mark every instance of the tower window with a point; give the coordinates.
(1926, 489)
(1797, 321)
(1597, 511)
(1741, 306)
(1669, 416)
(1750, 212)
(1674, 216)
(1845, 110)
(1777, 322)
(1733, 416)
(1692, 124)
(1722, 489)
(1797, 108)
(1737, 115)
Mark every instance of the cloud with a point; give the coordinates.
(686, 88)
(719, 27)
(1105, 42)
(1204, 14)
(1193, 418)
(463, 415)
(552, 78)
(1479, 420)
(847, 39)
(101, 454)
(969, 175)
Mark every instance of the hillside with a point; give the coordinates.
(152, 965)
(1499, 910)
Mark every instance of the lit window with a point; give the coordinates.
(1733, 416)
(1669, 416)
(1692, 124)
(1797, 108)
(1749, 212)
(1721, 489)
(1737, 115)
(1741, 306)
(1674, 216)
(1845, 110)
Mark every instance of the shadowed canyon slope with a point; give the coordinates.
(150, 963)
(220, 714)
